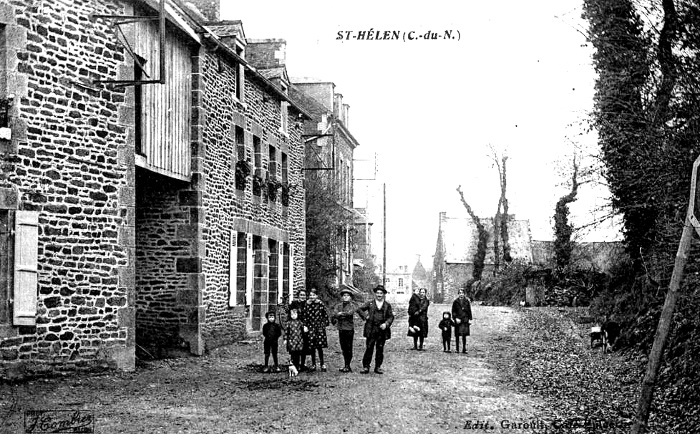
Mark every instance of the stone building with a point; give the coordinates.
(399, 285)
(457, 241)
(329, 154)
(420, 278)
(169, 214)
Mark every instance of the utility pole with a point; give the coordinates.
(384, 239)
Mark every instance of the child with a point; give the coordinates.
(315, 323)
(446, 327)
(294, 337)
(272, 332)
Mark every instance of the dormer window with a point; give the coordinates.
(239, 73)
(284, 117)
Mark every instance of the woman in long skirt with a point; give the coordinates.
(418, 318)
(462, 315)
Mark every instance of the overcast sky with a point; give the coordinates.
(518, 78)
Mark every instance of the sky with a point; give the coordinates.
(517, 79)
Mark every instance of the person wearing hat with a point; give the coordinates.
(378, 318)
(343, 318)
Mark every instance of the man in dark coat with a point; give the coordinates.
(379, 317)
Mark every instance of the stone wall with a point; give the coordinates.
(163, 247)
(69, 160)
(229, 209)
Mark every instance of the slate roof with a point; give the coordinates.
(459, 237)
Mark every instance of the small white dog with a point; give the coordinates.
(293, 371)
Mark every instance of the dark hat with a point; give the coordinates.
(380, 288)
(446, 312)
(270, 313)
(346, 291)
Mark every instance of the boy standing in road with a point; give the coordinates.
(379, 317)
(272, 332)
(343, 318)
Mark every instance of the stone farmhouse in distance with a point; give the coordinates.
(168, 215)
(457, 241)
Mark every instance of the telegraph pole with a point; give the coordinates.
(384, 239)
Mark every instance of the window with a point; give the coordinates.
(285, 168)
(273, 282)
(400, 282)
(240, 143)
(272, 158)
(239, 74)
(257, 155)
(20, 256)
(286, 270)
(239, 164)
(284, 118)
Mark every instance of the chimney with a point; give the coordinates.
(346, 115)
(266, 53)
(338, 106)
(208, 8)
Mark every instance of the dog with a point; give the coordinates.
(611, 331)
(293, 371)
(597, 335)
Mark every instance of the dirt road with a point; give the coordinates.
(223, 392)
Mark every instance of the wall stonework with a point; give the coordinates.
(66, 161)
(124, 253)
(227, 209)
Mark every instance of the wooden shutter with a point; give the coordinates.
(291, 270)
(25, 290)
(233, 269)
(250, 260)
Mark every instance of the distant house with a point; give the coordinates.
(329, 159)
(399, 285)
(457, 241)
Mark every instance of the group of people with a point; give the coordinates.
(305, 336)
(458, 319)
(305, 331)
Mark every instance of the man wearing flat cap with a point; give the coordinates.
(343, 318)
(378, 316)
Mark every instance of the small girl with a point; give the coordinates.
(315, 323)
(446, 326)
(294, 337)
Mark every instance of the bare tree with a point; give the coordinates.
(500, 220)
(480, 254)
(563, 245)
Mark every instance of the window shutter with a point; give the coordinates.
(280, 271)
(232, 269)
(291, 270)
(25, 291)
(250, 260)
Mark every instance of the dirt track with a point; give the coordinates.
(223, 392)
